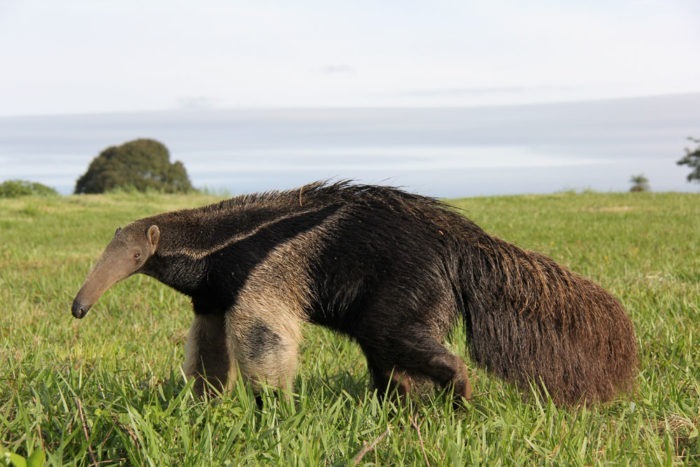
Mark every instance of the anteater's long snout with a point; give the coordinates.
(113, 266)
(79, 309)
(101, 278)
(86, 297)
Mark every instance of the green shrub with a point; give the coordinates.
(140, 165)
(17, 188)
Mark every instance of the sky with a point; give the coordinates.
(87, 56)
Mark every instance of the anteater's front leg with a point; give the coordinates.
(265, 348)
(206, 354)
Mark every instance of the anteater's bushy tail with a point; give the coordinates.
(530, 320)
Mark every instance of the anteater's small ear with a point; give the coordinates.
(153, 236)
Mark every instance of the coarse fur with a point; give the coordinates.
(392, 270)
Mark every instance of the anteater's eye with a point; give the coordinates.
(137, 255)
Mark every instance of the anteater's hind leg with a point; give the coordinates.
(206, 354)
(420, 356)
(450, 372)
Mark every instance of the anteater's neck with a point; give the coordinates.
(208, 253)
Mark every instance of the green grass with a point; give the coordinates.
(108, 388)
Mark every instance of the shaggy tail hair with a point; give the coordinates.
(530, 320)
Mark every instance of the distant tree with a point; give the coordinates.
(17, 188)
(142, 164)
(639, 183)
(692, 160)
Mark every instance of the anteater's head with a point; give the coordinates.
(125, 255)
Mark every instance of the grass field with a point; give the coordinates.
(108, 389)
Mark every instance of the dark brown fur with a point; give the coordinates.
(392, 270)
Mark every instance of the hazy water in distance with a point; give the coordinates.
(447, 152)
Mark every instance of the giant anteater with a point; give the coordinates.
(393, 270)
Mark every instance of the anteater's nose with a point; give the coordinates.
(78, 309)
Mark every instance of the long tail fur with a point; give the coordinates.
(530, 320)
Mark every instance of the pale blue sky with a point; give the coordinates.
(75, 56)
